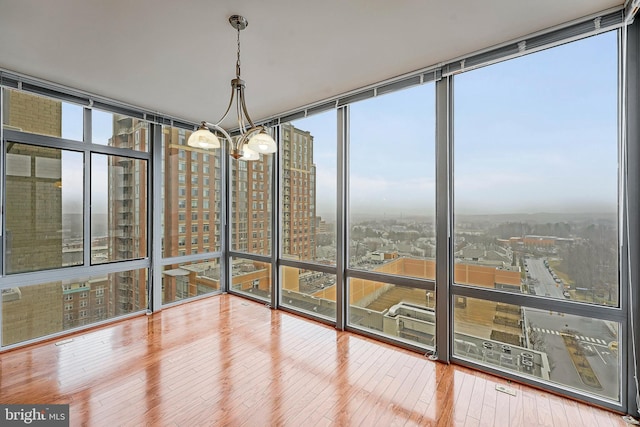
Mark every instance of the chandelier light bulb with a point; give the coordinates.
(249, 154)
(263, 143)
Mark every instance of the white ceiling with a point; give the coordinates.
(177, 57)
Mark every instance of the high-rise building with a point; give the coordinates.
(251, 198)
(192, 187)
(127, 214)
(298, 193)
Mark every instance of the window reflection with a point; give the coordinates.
(44, 199)
(58, 306)
(41, 115)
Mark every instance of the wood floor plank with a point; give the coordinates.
(229, 361)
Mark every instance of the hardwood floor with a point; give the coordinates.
(228, 361)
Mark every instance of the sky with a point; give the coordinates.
(72, 163)
(532, 134)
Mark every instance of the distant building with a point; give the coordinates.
(127, 214)
(539, 241)
(496, 256)
(298, 193)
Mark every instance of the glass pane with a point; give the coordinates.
(251, 205)
(392, 179)
(310, 291)
(187, 280)
(536, 173)
(191, 192)
(118, 208)
(44, 202)
(251, 278)
(399, 312)
(117, 130)
(308, 191)
(72, 122)
(30, 312)
(44, 116)
(572, 351)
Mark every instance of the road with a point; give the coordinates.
(545, 284)
(594, 337)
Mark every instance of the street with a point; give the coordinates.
(544, 285)
(592, 335)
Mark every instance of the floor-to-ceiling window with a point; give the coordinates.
(536, 215)
(191, 192)
(251, 226)
(391, 223)
(75, 202)
(308, 220)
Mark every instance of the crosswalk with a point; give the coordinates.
(580, 337)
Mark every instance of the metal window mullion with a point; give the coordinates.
(275, 222)
(631, 204)
(342, 299)
(444, 214)
(71, 145)
(86, 194)
(63, 93)
(70, 273)
(569, 307)
(394, 279)
(225, 218)
(185, 259)
(306, 265)
(250, 256)
(44, 140)
(154, 189)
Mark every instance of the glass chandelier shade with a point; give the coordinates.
(263, 143)
(203, 138)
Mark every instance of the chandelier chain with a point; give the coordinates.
(238, 60)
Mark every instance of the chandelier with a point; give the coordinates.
(253, 140)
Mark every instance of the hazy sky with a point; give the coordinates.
(533, 134)
(72, 166)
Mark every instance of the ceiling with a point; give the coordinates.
(178, 57)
